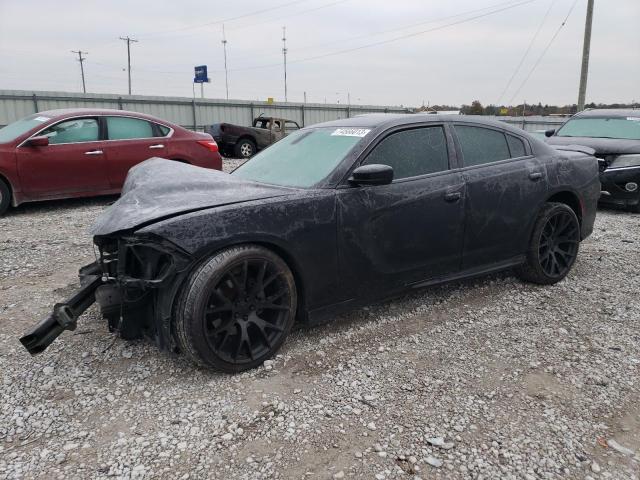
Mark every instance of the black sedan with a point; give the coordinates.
(333, 217)
(614, 134)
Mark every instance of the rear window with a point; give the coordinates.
(164, 131)
(124, 128)
(16, 129)
(516, 146)
(481, 145)
(622, 128)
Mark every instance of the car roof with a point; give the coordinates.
(609, 112)
(388, 120)
(71, 112)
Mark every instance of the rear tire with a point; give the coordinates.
(553, 247)
(5, 197)
(245, 148)
(236, 309)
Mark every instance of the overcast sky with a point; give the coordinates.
(459, 60)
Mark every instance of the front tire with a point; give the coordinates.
(245, 148)
(553, 247)
(5, 197)
(236, 309)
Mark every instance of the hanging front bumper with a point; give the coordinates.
(65, 314)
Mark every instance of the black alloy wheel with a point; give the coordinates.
(558, 245)
(553, 247)
(237, 309)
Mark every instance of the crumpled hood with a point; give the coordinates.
(157, 189)
(602, 146)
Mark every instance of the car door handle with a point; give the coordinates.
(93, 152)
(535, 176)
(452, 196)
(153, 147)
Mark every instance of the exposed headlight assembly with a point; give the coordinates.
(625, 161)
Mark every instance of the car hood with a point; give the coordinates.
(602, 146)
(158, 189)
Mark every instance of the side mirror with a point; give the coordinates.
(374, 174)
(549, 133)
(40, 141)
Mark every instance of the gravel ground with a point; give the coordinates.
(489, 378)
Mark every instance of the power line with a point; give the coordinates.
(533, 39)
(81, 59)
(404, 27)
(543, 53)
(182, 73)
(295, 14)
(224, 20)
(395, 39)
(417, 24)
(129, 40)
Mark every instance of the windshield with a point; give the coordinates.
(15, 129)
(303, 158)
(623, 128)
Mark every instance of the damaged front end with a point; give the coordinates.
(134, 281)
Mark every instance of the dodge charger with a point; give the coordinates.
(333, 217)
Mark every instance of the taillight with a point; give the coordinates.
(211, 145)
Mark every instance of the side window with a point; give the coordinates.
(276, 126)
(73, 131)
(123, 128)
(516, 146)
(164, 131)
(412, 152)
(290, 126)
(481, 145)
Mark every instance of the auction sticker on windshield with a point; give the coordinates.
(350, 132)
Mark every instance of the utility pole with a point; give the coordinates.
(129, 40)
(586, 47)
(81, 59)
(284, 54)
(226, 73)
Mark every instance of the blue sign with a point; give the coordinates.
(201, 74)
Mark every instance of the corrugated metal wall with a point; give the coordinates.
(533, 123)
(196, 113)
(188, 112)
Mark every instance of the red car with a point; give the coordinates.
(85, 152)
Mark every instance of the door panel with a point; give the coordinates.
(502, 203)
(393, 235)
(124, 154)
(262, 132)
(504, 191)
(73, 162)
